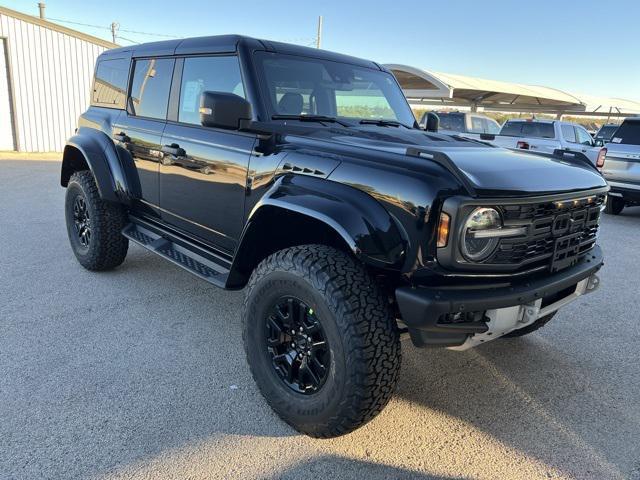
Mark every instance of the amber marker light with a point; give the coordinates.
(443, 230)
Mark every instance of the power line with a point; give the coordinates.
(120, 37)
(109, 28)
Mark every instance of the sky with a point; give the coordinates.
(588, 46)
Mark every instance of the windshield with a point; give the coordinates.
(312, 86)
(607, 132)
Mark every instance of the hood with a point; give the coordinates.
(490, 170)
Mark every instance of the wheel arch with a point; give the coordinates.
(93, 150)
(300, 210)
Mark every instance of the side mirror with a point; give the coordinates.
(487, 136)
(223, 110)
(598, 142)
(433, 122)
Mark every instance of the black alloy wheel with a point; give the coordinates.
(297, 345)
(82, 220)
(321, 339)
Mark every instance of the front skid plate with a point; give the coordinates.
(505, 320)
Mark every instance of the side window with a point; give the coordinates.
(477, 125)
(568, 133)
(150, 87)
(110, 82)
(491, 126)
(584, 137)
(201, 74)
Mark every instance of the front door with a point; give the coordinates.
(140, 128)
(203, 173)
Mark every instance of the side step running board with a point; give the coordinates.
(184, 254)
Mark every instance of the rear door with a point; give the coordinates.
(140, 128)
(203, 173)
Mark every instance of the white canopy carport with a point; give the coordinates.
(423, 87)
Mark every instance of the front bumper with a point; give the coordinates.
(427, 311)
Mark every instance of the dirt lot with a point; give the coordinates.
(140, 373)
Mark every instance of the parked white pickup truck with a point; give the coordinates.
(547, 136)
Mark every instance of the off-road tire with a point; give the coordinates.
(614, 205)
(360, 328)
(541, 322)
(107, 247)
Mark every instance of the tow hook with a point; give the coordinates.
(593, 283)
(530, 312)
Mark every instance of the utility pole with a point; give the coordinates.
(114, 28)
(319, 37)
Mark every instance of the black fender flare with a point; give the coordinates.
(366, 227)
(104, 160)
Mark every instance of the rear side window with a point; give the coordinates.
(569, 133)
(150, 87)
(628, 133)
(200, 74)
(110, 83)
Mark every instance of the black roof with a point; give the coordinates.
(229, 44)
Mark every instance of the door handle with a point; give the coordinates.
(122, 137)
(174, 149)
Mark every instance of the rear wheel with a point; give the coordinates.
(614, 205)
(93, 225)
(320, 339)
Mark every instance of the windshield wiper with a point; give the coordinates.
(382, 123)
(310, 118)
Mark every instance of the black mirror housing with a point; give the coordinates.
(433, 122)
(223, 110)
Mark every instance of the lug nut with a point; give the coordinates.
(300, 328)
(293, 345)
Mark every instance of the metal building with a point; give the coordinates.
(45, 81)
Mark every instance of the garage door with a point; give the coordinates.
(6, 127)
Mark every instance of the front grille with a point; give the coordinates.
(573, 219)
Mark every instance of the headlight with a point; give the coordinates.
(478, 235)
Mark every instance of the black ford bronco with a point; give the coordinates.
(303, 177)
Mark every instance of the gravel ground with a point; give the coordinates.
(140, 373)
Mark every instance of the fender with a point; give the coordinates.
(104, 161)
(364, 225)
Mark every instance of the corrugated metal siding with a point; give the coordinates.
(52, 74)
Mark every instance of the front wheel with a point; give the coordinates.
(320, 339)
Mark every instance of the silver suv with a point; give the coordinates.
(621, 167)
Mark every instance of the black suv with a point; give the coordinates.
(303, 177)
